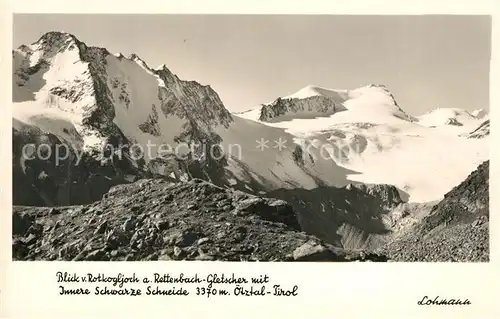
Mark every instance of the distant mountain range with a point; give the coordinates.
(351, 164)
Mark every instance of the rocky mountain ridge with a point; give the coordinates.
(456, 229)
(482, 131)
(313, 101)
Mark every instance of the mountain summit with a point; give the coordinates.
(101, 90)
(314, 101)
(89, 99)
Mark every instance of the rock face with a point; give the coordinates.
(480, 113)
(103, 88)
(60, 181)
(159, 220)
(452, 121)
(308, 107)
(481, 132)
(456, 228)
(88, 102)
(352, 217)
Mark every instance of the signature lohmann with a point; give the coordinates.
(439, 301)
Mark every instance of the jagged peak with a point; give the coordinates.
(162, 70)
(162, 67)
(134, 56)
(137, 59)
(53, 37)
(58, 41)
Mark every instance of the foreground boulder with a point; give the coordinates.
(159, 220)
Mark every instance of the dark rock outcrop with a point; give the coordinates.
(62, 178)
(349, 217)
(482, 131)
(453, 121)
(312, 106)
(457, 228)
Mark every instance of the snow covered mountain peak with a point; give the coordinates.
(134, 57)
(375, 100)
(56, 38)
(368, 103)
(47, 47)
(53, 43)
(314, 90)
(100, 95)
(161, 67)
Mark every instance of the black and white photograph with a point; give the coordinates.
(251, 138)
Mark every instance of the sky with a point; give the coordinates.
(426, 61)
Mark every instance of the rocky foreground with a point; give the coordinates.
(457, 228)
(160, 220)
(156, 219)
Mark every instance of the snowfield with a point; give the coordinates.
(272, 166)
(424, 156)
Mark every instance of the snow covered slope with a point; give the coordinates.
(91, 99)
(313, 90)
(275, 165)
(382, 144)
(374, 101)
(102, 94)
